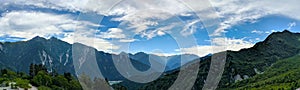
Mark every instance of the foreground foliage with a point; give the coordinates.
(41, 78)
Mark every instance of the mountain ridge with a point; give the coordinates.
(242, 64)
(57, 56)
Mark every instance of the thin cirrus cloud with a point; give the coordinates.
(233, 12)
(257, 32)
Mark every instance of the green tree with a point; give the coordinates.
(22, 83)
(68, 76)
(61, 81)
(31, 70)
(34, 69)
(42, 79)
(43, 88)
(75, 85)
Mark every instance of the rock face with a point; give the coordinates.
(19, 55)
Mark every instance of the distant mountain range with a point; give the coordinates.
(56, 55)
(272, 63)
(171, 62)
(262, 66)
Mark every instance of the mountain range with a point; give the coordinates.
(270, 64)
(256, 67)
(56, 55)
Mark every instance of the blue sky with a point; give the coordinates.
(165, 27)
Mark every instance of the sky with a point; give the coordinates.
(161, 27)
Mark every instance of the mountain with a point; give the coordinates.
(53, 53)
(146, 58)
(284, 75)
(177, 61)
(171, 62)
(239, 65)
(58, 57)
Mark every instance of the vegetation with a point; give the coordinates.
(39, 76)
(271, 64)
(284, 74)
(248, 63)
(22, 83)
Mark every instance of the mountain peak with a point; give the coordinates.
(123, 53)
(38, 38)
(279, 38)
(286, 31)
(140, 53)
(54, 38)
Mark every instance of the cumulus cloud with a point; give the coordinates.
(218, 45)
(28, 24)
(114, 33)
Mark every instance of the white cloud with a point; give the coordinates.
(115, 33)
(218, 45)
(164, 54)
(290, 25)
(269, 32)
(159, 31)
(233, 12)
(257, 32)
(239, 11)
(28, 24)
(139, 13)
(127, 40)
(98, 43)
(190, 28)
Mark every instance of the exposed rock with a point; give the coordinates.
(237, 78)
(245, 76)
(257, 72)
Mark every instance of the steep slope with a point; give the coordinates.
(284, 74)
(176, 61)
(241, 64)
(52, 53)
(249, 62)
